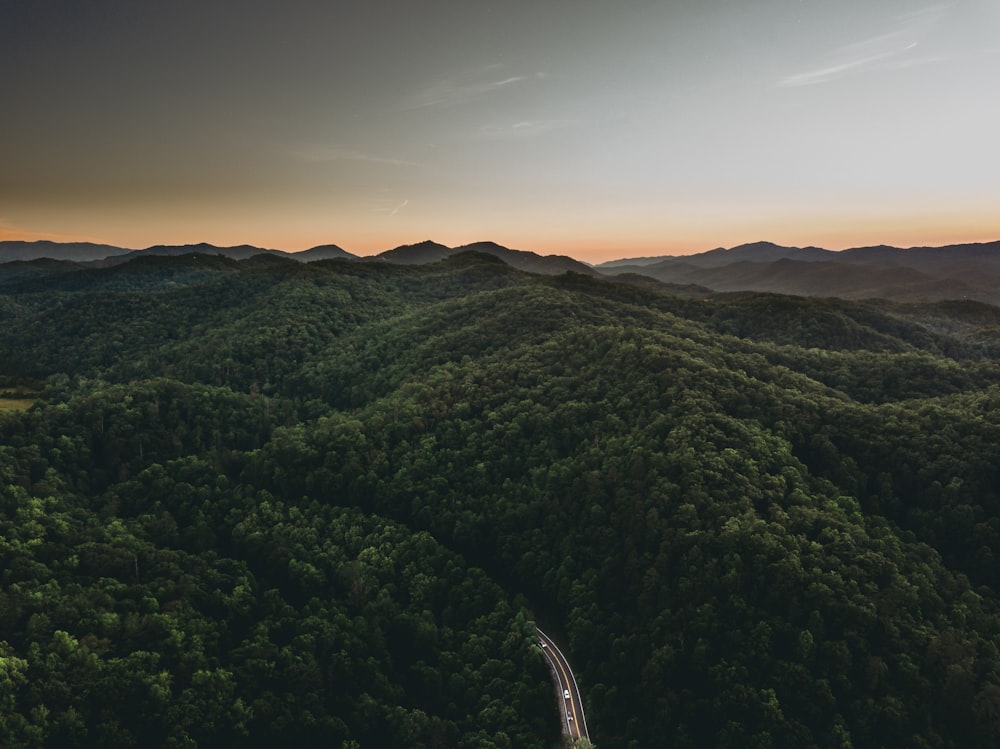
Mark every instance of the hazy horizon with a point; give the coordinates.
(585, 128)
(537, 251)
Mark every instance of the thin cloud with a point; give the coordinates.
(524, 128)
(399, 207)
(469, 86)
(892, 49)
(822, 75)
(319, 154)
(915, 62)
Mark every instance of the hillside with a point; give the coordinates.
(84, 255)
(323, 252)
(922, 274)
(72, 251)
(529, 261)
(432, 252)
(325, 504)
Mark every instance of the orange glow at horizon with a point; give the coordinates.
(665, 134)
(594, 249)
(586, 238)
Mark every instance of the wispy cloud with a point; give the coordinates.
(892, 49)
(318, 154)
(523, 128)
(466, 86)
(381, 205)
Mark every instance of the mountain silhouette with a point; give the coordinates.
(960, 271)
(75, 251)
(530, 261)
(965, 271)
(323, 252)
(416, 254)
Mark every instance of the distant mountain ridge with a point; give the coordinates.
(916, 274)
(75, 251)
(322, 252)
(530, 261)
(430, 252)
(87, 252)
(769, 251)
(412, 254)
(238, 252)
(416, 254)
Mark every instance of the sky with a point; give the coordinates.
(599, 129)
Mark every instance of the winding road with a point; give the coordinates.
(573, 720)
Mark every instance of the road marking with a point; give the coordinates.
(568, 681)
(554, 662)
(561, 685)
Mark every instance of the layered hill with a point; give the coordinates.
(917, 274)
(529, 261)
(969, 271)
(430, 252)
(427, 251)
(83, 252)
(323, 252)
(74, 251)
(412, 254)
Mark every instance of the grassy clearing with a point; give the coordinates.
(19, 399)
(16, 404)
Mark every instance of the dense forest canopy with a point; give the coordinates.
(326, 503)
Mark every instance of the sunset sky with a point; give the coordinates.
(594, 128)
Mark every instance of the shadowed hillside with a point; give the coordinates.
(920, 274)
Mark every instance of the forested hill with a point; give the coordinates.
(324, 504)
(916, 274)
